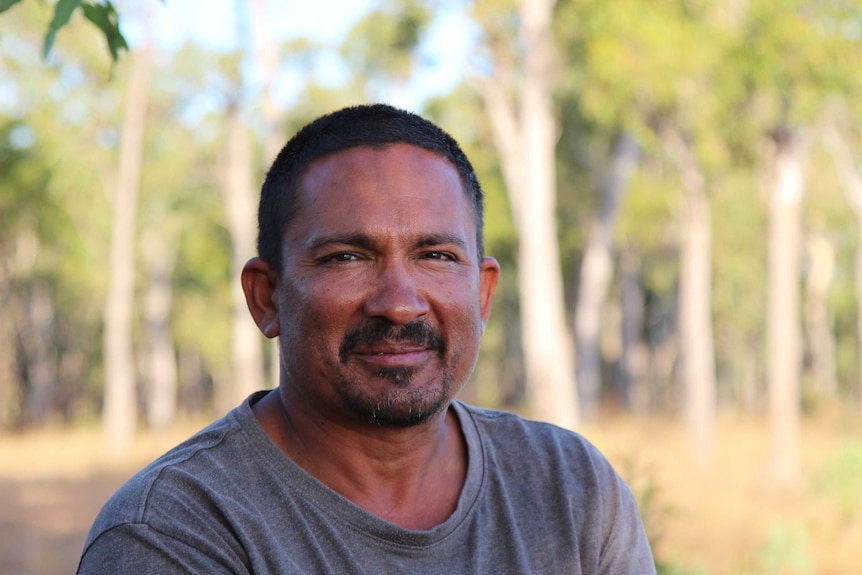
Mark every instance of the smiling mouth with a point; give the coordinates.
(392, 356)
(383, 344)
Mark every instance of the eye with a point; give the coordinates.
(442, 256)
(341, 257)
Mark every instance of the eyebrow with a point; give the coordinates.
(365, 241)
(431, 240)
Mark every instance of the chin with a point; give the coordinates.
(400, 407)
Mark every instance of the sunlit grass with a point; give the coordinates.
(730, 518)
(727, 518)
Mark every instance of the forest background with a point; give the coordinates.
(674, 192)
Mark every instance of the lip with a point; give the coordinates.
(390, 355)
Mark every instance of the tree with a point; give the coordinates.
(850, 178)
(695, 297)
(239, 199)
(789, 58)
(647, 71)
(784, 337)
(596, 271)
(525, 136)
(119, 413)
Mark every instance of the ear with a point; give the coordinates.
(489, 275)
(259, 283)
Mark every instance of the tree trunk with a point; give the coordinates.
(39, 339)
(524, 136)
(634, 353)
(240, 206)
(819, 327)
(266, 54)
(548, 345)
(119, 412)
(784, 357)
(597, 273)
(695, 297)
(161, 396)
(851, 183)
(8, 377)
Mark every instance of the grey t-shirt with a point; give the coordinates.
(537, 499)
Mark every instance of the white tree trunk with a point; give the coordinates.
(695, 297)
(266, 54)
(525, 137)
(161, 392)
(548, 345)
(240, 209)
(783, 322)
(119, 411)
(597, 273)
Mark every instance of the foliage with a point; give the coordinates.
(101, 14)
(382, 44)
(727, 76)
(840, 479)
(785, 551)
(654, 511)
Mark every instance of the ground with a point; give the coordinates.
(52, 485)
(727, 517)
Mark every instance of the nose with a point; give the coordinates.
(396, 294)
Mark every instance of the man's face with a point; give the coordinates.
(381, 300)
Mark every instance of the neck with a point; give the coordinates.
(409, 476)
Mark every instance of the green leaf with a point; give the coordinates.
(62, 13)
(105, 17)
(6, 4)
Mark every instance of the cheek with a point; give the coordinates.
(320, 311)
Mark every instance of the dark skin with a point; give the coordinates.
(382, 237)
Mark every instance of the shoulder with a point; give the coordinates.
(174, 480)
(530, 454)
(508, 431)
(582, 494)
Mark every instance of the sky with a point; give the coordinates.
(212, 24)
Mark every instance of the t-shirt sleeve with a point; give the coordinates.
(626, 550)
(138, 548)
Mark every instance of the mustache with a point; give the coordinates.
(381, 331)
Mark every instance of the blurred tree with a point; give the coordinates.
(266, 57)
(850, 179)
(120, 404)
(596, 271)
(381, 48)
(644, 70)
(57, 223)
(26, 298)
(519, 42)
(790, 57)
(240, 204)
(498, 380)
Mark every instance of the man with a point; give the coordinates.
(372, 274)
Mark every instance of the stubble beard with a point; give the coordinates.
(396, 405)
(396, 402)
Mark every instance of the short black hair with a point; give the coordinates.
(371, 125)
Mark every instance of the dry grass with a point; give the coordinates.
(730, 517)
(80, 452)
(727, 518)
(52, 484)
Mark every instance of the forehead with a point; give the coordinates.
(401, 188)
